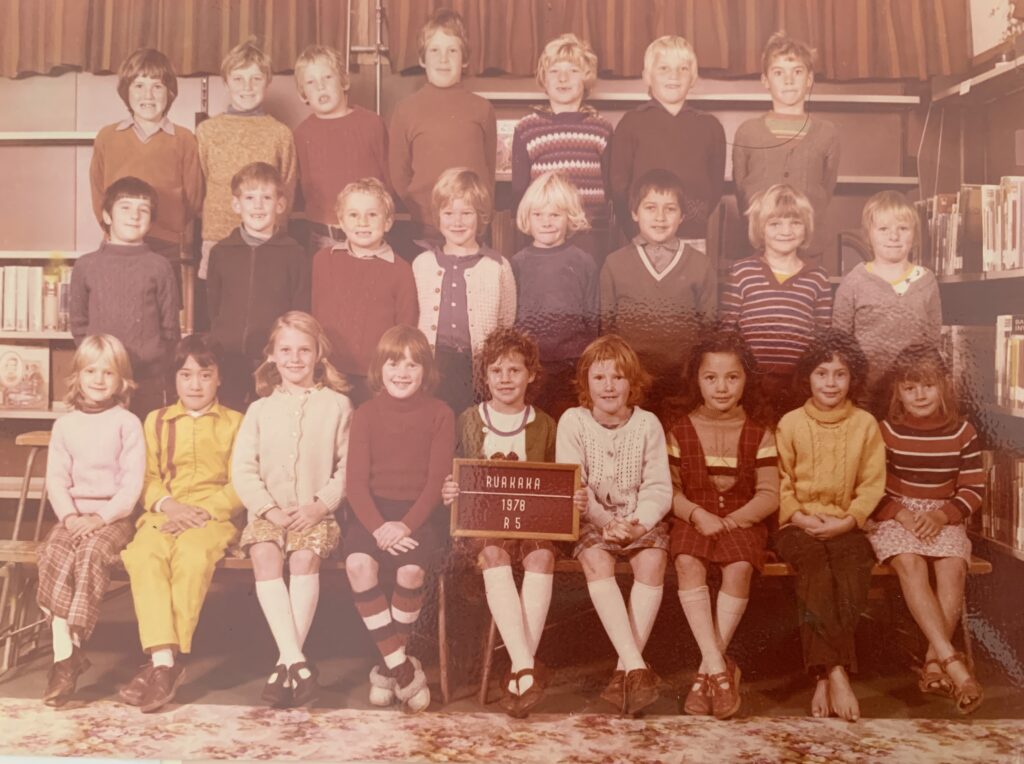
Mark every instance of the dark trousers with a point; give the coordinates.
(558, 390)
(832, 582)
(237, 386)
(456, 372)
(151, 394)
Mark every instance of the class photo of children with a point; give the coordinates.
(529, 381)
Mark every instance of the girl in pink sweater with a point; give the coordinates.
(94, 473)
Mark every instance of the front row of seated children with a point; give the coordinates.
(846, 489)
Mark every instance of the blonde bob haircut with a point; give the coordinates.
(313, 53)
(568, 47)
(147, 62)
(611, 347)
(268, 378)
(392, 346)
(106, 349)
(245, 54)
(775, 202)
(371, 187)
(461, 183)
(669, 43)
(552, 188)
(450, 22)
(897, 204)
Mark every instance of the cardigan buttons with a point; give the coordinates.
(437, 290)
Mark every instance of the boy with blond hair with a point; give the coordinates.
(787, 145)
(256, 274)
(441, 125)
(360, 289)
(148, 146)
(666, 134)
(240, 136)
(337, 144)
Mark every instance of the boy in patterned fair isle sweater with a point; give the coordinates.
(242, 135)
(566, 136)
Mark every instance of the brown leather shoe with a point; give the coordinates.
(698, 699)
(60, 685)
(132, 692)
(524, 702)
(725, 691)
(641, 689)
(163, 683)
(615, 692)
(276, 691)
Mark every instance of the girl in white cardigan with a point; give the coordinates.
(622, 452)
(288, 468)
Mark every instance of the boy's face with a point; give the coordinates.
(147, 98)
(129, 220)
(564, 84)
(891, 237)
(669, 78)
(443, 60)
(507, 381)
(458, 223)
(259, 204)
(247, 86)
(788, 80)
(322, 90)
(658, 216)
(364, 219)
(197, 385)
(549, 226)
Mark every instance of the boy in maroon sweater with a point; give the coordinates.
(360, 289)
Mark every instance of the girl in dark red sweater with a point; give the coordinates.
(400, 450)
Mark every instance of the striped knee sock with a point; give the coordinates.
(405, 609)
(373, 609)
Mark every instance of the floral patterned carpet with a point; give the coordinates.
(111, 730)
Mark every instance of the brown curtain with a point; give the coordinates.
(41, 36)
(855, 39)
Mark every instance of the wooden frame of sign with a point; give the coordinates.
(518, 500)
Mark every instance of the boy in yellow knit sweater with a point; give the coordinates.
(832, 476)
(187, 524)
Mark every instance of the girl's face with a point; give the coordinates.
(609, 390)
(507, 380)
(98, 381)
(830, 384)
(402, 377)
(458, 223)
(549, 226)
(721, 378)
(783, 236)
(295, 355)
(197, 385)
(892, 237)
(920, 399)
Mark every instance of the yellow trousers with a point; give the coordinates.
(170, 576)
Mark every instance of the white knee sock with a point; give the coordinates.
(728, 614)
(611, 609)
(304, 593)
(62, 644)
(644, 601)
(503, 600)
(162, 657)
(697, 608)
(277, 609)
(536, 598)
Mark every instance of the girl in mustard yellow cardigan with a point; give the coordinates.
(832, 470)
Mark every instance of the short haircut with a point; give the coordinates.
(778, 201)
(555, 189)
(461, 183)
(448, 21)
(268, 378)
(392, 346)
(334, 58)
(829, 344)
(670, 43)
(663, 181)
(568, 47)
(897, 204)
(128, 187)
(108, 349)
(245, 54)
(147, 62)
(370, 186)
(781, 45)
(923, 364)
(257, 174)
(202, 347)
(501, 342)
(611, 347)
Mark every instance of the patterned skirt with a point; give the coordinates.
(322, 538)
(591, 536)
(740, 545)
(889, 538)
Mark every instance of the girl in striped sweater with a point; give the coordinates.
(934, 481)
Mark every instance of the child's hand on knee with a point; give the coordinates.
(449, 491)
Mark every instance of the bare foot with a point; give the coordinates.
(820, 706)
(841, 695)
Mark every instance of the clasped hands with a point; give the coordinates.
(298, 518)
(81, 526)
(924, 525)
(823, 527)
